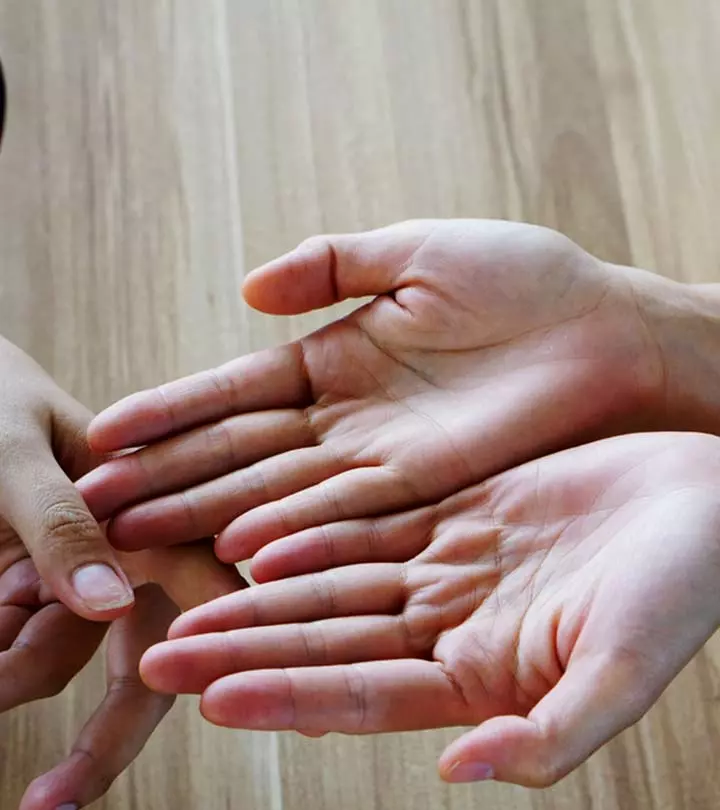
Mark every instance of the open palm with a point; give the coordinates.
(488, 343)
(551, 605)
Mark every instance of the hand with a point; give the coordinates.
(43, 448)
(551, 605)
(47, 536)
(43, 645)
(489, 343)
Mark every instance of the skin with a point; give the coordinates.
(45, 643)
(487, 344)
(549, 606)
(48, 634)
(378, 442)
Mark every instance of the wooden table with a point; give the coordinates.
(158, 149)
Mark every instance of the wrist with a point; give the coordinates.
(683, 326)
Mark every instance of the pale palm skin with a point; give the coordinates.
(551, 605)
(488, 344)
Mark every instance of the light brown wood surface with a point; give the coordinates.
(158, 149)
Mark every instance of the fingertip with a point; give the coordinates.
(222, 704)
(226, 550)
(94, 435)
(213, 616)
(156, 669)
(50, 791)
(103, 435)
(100, 591)
(300, 281)
(259, 289)
(211, 707)
(282, 559)
(68, 786)
(128, 423)
(260, 570)
(506, 749)
(252, 288)
(287, 557)
(182, 627)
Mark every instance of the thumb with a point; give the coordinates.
(68, 547)
(590, 704)
(324, 270)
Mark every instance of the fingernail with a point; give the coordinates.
(68, 807)
(470, 772)
(101, 588)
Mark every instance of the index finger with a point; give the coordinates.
(267, 380)
(124, 721)
(51, 648)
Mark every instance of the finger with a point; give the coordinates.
(122, 724)
(12, 621)
(352, 494)
(68, 548)
(190, 665)
(11, 547)
(395, 538)
(352, 591)
(203, 454)
(590, 704)
(208, 508)
(20, 585)
(268, 380)
(70, 420)
(326, 269)
(52, 647)
(190, 575)
(365, 698)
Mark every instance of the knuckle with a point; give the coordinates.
(102, 777)
(314, 244)
(546, 766)
(545, 773)
(127, 685)
(357, 694)
(324, 593)
(314, 646)
(66, 523)
(219, 440)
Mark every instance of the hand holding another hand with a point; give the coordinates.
(47, 535)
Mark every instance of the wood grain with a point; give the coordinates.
(158, 149)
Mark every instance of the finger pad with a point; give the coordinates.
(253, 701)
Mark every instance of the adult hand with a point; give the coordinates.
(489, 343)
(551, 605)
